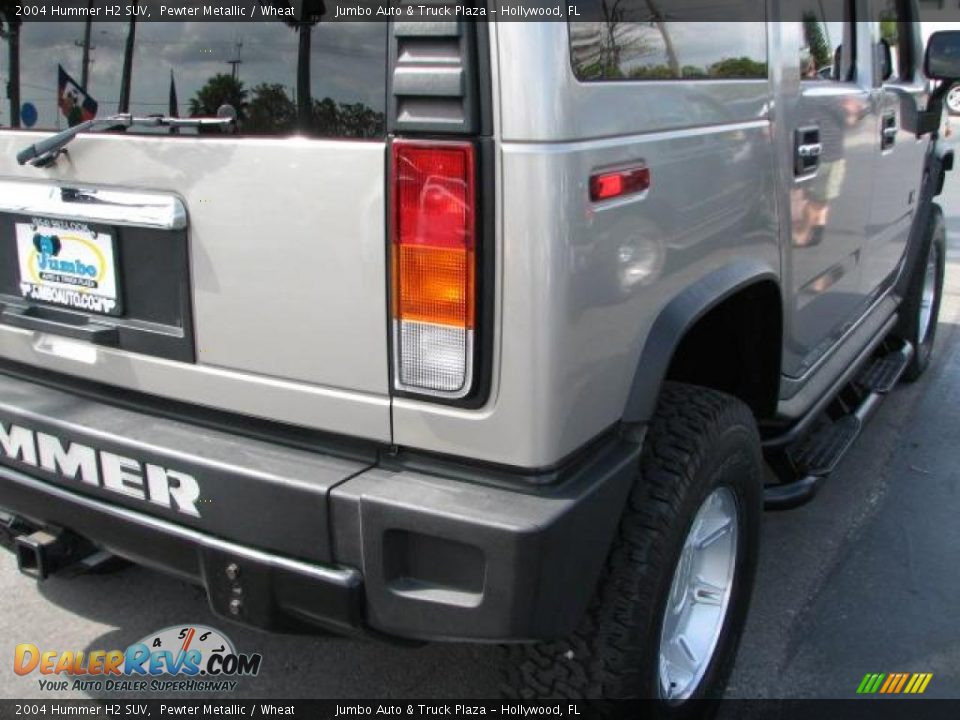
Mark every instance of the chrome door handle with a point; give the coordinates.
(810, 150)
(888, 131)
(807, 150)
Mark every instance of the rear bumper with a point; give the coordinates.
(275, 592)
(337, 542)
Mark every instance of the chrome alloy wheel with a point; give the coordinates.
(929, 296)
(699, 596)
(953, 99)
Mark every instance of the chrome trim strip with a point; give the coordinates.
(111, 207)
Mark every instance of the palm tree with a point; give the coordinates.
(310, 14)
(659, 20)
(10, 31)
(221, 89)
(126, 74)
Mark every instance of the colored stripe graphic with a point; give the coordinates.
(870, 683)
(894, 683)
(891, 680)
(903, 681)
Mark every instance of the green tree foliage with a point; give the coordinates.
(271, 111)
(221, 89)
(728, 68)
(817, 41)
(741, 67)
(334, 119)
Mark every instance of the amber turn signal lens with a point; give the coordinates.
(434, 285)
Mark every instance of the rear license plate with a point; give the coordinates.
(68, 264)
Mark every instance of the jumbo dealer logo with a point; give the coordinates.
(125, 476)
(47, 264)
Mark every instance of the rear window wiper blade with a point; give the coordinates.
(45, 152)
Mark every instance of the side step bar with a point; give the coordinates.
(803, 460)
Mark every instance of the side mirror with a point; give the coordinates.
(942, 61)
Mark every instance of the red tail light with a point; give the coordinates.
(433, 262)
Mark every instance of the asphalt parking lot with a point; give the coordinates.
(865, 579)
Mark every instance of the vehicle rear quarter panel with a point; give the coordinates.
(580, 284)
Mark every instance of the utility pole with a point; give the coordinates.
(236, 62)
(85, 65)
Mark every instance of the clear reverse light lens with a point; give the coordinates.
(434, 357)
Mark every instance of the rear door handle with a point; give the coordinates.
(888, 131)
(807, 151)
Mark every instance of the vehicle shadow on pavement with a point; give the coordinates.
(137, 602)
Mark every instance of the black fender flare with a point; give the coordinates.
(673, 322)
(942, 162)
(939, 162)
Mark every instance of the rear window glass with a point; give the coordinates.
(636, 44)
(282, 78)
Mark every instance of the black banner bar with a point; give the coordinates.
(874, 709)
(423, 11)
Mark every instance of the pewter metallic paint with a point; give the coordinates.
(582, 284)
(287, 253)
(288, 248)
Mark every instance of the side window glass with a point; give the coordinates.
(826, 42)
(895, 36)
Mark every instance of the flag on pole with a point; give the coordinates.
(75, 104)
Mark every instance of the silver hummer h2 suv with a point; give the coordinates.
(497, 332)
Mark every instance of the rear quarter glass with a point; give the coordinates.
(697, 43)
(312, 79)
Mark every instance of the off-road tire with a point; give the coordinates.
(698, 440)
(908, 328)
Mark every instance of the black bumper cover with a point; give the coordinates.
(355, 547)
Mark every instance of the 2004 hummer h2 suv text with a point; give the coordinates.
(500, 332)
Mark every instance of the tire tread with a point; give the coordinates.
(596, 661)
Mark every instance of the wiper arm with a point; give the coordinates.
(45, 152)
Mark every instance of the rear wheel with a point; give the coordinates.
(921, 304)
(669, 609)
